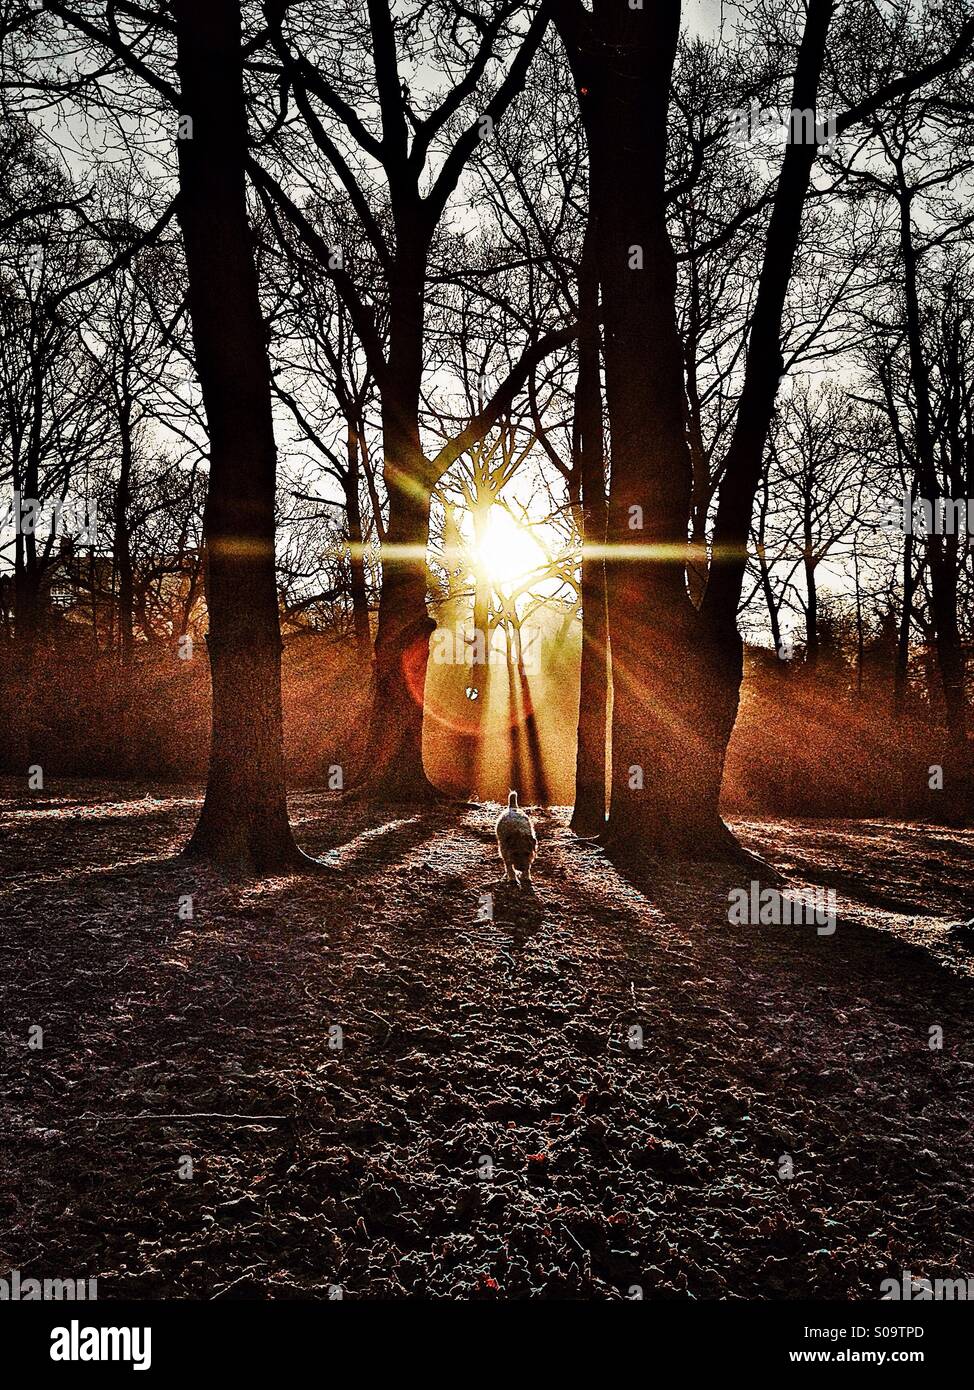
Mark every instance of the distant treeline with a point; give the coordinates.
(822, 740)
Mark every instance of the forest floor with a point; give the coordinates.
(485, 1129)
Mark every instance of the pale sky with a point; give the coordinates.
(703, 15)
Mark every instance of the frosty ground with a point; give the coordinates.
(485, 1129)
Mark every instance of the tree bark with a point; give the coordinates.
(395, 735)
(244, 825)
(669, 724)
(588, 815)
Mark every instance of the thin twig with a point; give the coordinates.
(184, 1115)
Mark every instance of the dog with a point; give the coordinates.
(517, 843)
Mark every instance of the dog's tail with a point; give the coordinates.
(512, 802)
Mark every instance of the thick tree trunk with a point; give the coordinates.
(674, 690)
(588, 815)
(244, 822)
(394, 769)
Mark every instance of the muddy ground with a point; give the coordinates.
(191, 1128)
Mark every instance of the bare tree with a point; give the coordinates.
(400, 223)
(677, 669)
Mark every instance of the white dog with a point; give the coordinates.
(517, 843)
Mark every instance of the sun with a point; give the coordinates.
(508, 552)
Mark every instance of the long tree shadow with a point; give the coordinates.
(695, 898)
(856, 859)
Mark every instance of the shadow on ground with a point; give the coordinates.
(366, 1081)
